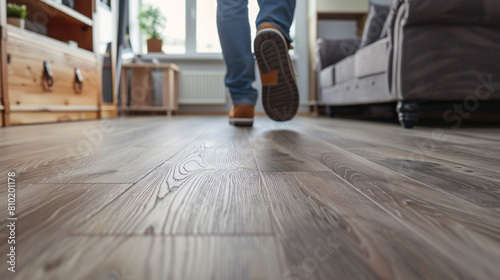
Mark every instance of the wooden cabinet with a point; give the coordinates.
(52, 69)
(25, 68)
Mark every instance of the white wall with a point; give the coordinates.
(337, 29)
(342, 5)
(381, 2)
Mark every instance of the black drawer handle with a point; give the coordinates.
(48, 77)
(78, 85)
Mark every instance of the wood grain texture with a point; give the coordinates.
(438, 143)
(195, 198)
(481, 187)
(479, 133)
(215, 175)
(147, 257)
(323, 223)
(21, 141)
(60, 207)
(27, 53)
(25, 70)
(46, 213)
(46, 117)
(173, 201)
(270, 156)
(90, 143)
(474, 184)
(129, 164)
(450, 221)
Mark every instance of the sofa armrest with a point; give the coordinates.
(474, 12)
(440, 52)
(331, 51)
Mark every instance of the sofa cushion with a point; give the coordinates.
(331, 51)
(389, 21)
(371, 60)
(471, 12)
(344, 70)
(374, 24)
(327, 76)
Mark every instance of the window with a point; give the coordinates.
(207, 38)
(198, 34)
(174, 35)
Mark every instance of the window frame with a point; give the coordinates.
(190, 47)
(191, 34)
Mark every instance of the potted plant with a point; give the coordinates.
(16, 14)
(152, 22)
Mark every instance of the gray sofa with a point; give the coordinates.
(414, 52)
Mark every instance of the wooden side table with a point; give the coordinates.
(142, 85)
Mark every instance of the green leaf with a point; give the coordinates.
(151, 21)
(18, 11)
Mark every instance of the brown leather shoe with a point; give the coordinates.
(280, 95)
(241, 115)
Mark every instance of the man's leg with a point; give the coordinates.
(234, 35)
(277, 12)
(280, 96)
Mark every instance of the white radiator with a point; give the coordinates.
(202, 87)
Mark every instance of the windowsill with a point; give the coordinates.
(190, 57)
(204, 56)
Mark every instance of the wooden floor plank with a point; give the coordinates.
(210, 186)
(81, 154)
(438, 135)
(125, 166)
(40, 132)
(471, 154)
(169, 202)
(350, 233)
(60, 206)
(474, 184)
(444, 220)
(99, 134)
(103, 258)
(481, 187)
(270, 157)
(196, 198)
(461, 135)
(46, 213)
(52, 137)
(492, 134)
(308, 234)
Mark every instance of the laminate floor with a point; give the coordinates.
(194, 198)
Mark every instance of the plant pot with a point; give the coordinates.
(154, 45)
(19, 22)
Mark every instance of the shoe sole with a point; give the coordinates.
(280, 100)
(241, 121)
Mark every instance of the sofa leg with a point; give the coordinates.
(330, 111)
(407, 114)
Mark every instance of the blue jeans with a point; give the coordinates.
(234, 35)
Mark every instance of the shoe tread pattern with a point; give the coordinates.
(280, 101)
